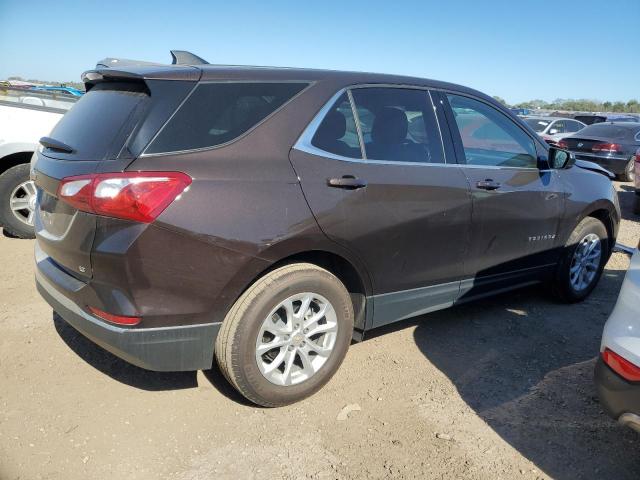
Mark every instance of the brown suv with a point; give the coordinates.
(269, 216)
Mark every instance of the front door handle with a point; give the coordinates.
(348, 182)
(488, 184)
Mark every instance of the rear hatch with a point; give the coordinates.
(104, 132)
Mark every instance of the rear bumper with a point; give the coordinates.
(175, 348)
(613, 163)
(618, 397)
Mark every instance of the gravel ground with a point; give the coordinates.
(500, 388)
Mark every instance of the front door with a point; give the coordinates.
(377, 181)
(517, 199)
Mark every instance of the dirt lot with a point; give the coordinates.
(496, 389)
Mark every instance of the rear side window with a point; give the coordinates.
(216, 113)
(100, 122)
(398, 125)
(490, 138)
(337, 133)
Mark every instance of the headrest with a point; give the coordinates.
(333, 127)
(390, 126)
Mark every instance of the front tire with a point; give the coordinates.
(583, 260)
(17, 202)
(286, 336)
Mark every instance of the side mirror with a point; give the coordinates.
(553, 131)
(559, 159)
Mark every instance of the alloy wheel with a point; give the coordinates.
(22, 202)
(296, 339)
(585, 262)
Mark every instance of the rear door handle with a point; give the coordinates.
(348, 182)
(488, 184)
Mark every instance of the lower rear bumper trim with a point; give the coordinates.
(180, 348)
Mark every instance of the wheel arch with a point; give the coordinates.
(13, 159)
(345, 268)
(605, 216)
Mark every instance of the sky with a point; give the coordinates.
(519, 49)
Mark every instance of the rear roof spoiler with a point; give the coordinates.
(183, 67)
(179, 57)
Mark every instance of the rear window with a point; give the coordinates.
(100, 122)
(216, 113)
(606, 131)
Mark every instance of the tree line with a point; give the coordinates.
(581, 105)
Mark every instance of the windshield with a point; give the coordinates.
(537, 124)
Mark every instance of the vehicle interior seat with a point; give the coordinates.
(330, 133)
(389, 138)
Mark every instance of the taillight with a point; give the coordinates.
(117, 319)
(606, 148)
(562, 144)
(621, 366)
(138, 196)
(637, 157)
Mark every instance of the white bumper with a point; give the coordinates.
(622, 330)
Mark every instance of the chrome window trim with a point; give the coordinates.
(304, 144)
(356, 119)
(435, 114)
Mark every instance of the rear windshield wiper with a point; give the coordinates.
(53, 144)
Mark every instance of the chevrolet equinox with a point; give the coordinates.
(267, 217)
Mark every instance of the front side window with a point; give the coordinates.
(398, 125)
(337, 133)
(216, 113)
(490, 138)
(537, 124)
(559, 127)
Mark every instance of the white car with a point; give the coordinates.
(25, 117)
(617, 374)
(554, 129)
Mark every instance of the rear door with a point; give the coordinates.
(517, 200)
(375, 174)
(103, 132)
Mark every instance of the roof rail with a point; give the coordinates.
(179, 57)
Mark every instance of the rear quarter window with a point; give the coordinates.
(217, 113)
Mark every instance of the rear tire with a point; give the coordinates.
(636, 204)
(578, 271)
(629, 173)
(15, 184)
(247, 331)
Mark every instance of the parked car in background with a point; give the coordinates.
(617, 374)
(247, 213)
(521, 112)
(612, 145)
(636, 181)
(25, 116)
(590, 119)
(68, 90)
(552, 129)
